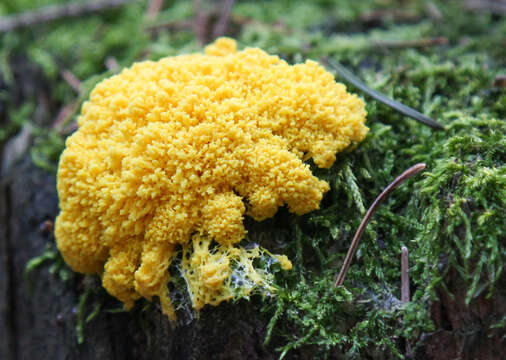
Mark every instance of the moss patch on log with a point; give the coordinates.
(450, 218)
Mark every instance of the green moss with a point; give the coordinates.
(46, 150)
(435, 215)
(18, 116)
(49, 256)
(463, 201)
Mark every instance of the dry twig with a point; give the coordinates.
(172, 26)
(405, 289)
(50, 13)
(220, 28)
(61, 121)
(112, 64)
(495, 7)
(415, 169)
(201, 22)
(404, 275)
(416, 43)
(72, 80)
(433, 11)
(211, 23)
(394, 14)
(154, 9)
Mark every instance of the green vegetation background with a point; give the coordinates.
(451, 217)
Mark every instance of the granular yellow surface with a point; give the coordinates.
(181, 149)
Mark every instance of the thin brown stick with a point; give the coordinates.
(55, 12)
(112, 64)
(490, 6)
(201, 22)
(72, 80)
(154, 8)
(179, 25)
(416, 43)
(404, 275)
(394, 14)
(405, 296)
(415, 169)
(64, 116)
(221, 26)
(433, 11)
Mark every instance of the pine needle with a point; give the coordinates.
(415, 169)
(397, 106)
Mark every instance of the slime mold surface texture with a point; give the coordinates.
(170, 155)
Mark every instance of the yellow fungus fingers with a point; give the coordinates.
(170, 224)
(284, 262)
(302, 202)
(78, 239)
(153, 273)
(324, 152)
(168, 152)
(221, 47)
(264, 203)
(223, 218)
(285, 180)
(117, 277)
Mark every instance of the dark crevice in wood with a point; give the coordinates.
(11, 282)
